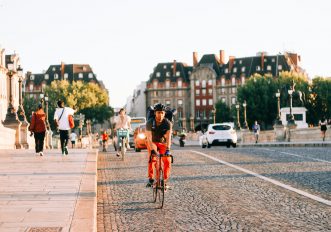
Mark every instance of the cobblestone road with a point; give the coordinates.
(209, 196)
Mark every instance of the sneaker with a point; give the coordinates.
(117, 154)
(150, 183)
(66, 150)
(41, 153)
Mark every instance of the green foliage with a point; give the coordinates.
(29, 105)
(320, 97)
(223, 112)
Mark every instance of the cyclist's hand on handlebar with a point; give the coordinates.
(153, 152)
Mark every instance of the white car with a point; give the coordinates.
(219, 134)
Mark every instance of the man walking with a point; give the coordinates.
(256, 130)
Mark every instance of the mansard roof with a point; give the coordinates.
(212, 61)
(165, 71)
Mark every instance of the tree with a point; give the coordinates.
(223, 112)
(320, 97)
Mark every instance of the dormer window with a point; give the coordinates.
(56, 76)
(32, 77)
(164, 66)
(273, 60)
(258, 68)
(90, 75)
(243, 69)
(158, 74)
(80, 75)
(53, 69)
(168, 74)
(240, 61)
(46, 76)
(280, 67)
(203, 84)
(177, 74)
(269, 67)
(66, 76)
(234, 70)
(226, 70)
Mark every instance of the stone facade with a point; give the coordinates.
(138, 101)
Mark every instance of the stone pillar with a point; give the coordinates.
(280, 132)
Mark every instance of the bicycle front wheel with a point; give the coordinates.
(161, 190)
(123, 149)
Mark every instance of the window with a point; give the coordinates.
(226, 70)
(233, 81)
(223, 90)
(53, 69)
(273, 60)
(223, 81)
(180, 93)
(167, 93)
(210, 82)
(167, 74)
(179, 83)
(197, 114)
(197, 102)
(46, 76)
(197, 92)
(180, 102)
(56, 76)
(197, 83)
(90, 75)
(210, 102)
(164, 66)
(66, 76)
(233, 90)
(242, 80)
(155, 84)
(243, 69)
(31, 87)
(167, 84)
(32, 77)
(203, 84)
(80, 75)
(167, 102)
(221, 127)
(210, 91)
(177, 74)
(280, 67)
(258, 68)
(234, 70)
(223, 99)
(203, 92)
(158, 74)
(233, 100)
(43, 86)
(269, 67)
(265, 60)
(154, 93)
(240, 61)
(204, 102)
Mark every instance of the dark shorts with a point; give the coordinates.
(73, 142)
(323, 128)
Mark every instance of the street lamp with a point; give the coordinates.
(278, 121)
(20, 111)
(245, 119)
(238, 122)
(11, 116)
(290, 121)
(214, 114)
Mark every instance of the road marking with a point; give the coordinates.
(275, 182)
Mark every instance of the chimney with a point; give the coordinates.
(174, 69)
(262, 61)
(62, 70)
(295, 58)
(231, 61)
(195, 59)
(222, 57)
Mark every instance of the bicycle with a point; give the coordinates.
(158, 188)
(122, 136)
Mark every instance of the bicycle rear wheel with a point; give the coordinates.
(154, 189)
(123, 148)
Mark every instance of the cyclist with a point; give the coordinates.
(123, 122)
(158, 135)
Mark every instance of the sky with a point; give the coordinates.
(123, 40)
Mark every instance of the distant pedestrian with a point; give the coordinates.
(256, 130)
(61, 120)
(73, 137)
(38, 127)
(323, 123)
(104, 141)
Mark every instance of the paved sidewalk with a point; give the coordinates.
(319, 143)
(49, 193)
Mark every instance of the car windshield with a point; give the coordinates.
(221, 127)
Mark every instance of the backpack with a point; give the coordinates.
(169, 114)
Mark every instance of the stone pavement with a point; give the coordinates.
(49, 193)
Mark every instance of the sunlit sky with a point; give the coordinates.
(123, 40)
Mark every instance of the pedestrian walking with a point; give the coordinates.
(256, 130)
(61, 118)
(38, 128)
(104, 140)
(73, 137)
(323, 123)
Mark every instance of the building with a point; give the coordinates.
(194, 90)
(138, 101)
(35, 83)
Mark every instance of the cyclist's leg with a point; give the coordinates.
(165, 160)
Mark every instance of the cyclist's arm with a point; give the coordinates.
(168, 138)
(150, 143)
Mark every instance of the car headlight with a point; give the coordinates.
(141, 136)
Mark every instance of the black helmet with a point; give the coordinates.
(159, 107)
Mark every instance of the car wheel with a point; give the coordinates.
(234, 145)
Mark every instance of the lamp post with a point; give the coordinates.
(238, 122)
(278, 121)
(20, 111)
(290, 121)
(49, 133)
(214, 114)
(245, 118)
(200, 116)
